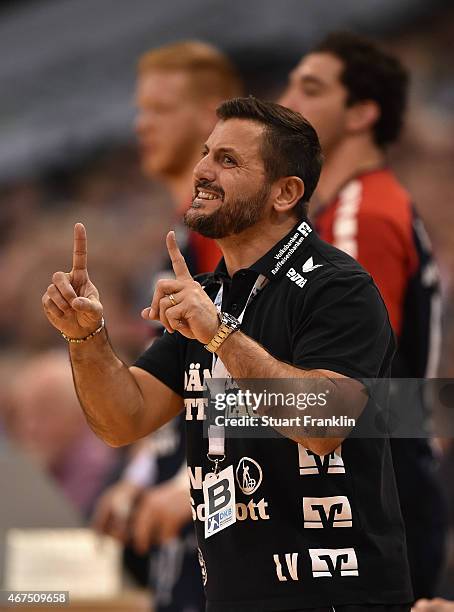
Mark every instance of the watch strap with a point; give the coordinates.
(223, 332)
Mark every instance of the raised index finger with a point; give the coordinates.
(80, 247)
(178, 263)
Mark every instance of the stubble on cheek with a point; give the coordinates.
(230, 218)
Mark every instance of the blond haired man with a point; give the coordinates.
(179, 87)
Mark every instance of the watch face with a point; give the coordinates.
(230, 321)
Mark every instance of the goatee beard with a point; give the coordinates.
(232, 217)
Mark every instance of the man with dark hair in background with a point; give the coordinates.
(355, 96)
(279, 546)
(179, 87)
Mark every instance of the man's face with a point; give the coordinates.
(231, 189)
(169, 122)
(316, 92)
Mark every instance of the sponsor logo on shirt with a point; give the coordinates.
(248, 475)
(286, 566)
(310, 463)
(249, 478)
(194, 381)
(253, 510)
(293, 243)
(308, 265)
(326, 512)
(330, 562)
(326, 562)
(296, 277)
(304, 228)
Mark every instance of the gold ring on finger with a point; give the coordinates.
(172, 299)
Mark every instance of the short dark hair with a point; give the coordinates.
(290, 145)
(371, 74)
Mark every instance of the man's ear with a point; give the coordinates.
(288, 191)
(362, 116)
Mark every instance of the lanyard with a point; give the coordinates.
(216, 433)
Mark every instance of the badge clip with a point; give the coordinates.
(216, 461)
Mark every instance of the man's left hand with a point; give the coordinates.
(181, 304)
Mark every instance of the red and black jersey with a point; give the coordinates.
(373, 220)
(206, 253)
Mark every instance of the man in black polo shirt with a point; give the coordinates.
(306, 523)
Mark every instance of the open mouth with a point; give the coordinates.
(202, 196)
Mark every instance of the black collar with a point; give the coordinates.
(279, 258)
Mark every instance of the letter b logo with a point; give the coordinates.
(219, 496)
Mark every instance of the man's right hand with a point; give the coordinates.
(121, 404)
(71, 302)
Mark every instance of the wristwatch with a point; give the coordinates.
(228, 325)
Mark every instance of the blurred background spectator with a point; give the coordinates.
(68, 153)
(44, 419)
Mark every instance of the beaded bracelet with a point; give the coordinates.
(79, 340)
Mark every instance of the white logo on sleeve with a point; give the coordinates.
(329, 562)
(308, 265)
(310, 463)
(326, 512)
(248, 475)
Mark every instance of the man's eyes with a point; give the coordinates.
(226, 159)
(309, 90)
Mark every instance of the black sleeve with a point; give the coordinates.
(165, 360)
(420, 337)
(347, 329)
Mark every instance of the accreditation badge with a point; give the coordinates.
(219, 499)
